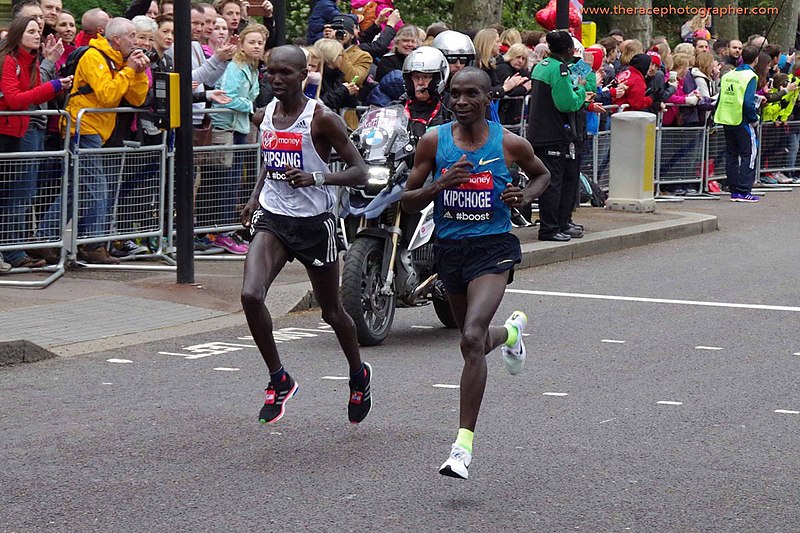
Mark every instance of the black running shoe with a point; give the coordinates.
(275, 398)
(360, 396)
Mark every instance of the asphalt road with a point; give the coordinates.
(669, 411)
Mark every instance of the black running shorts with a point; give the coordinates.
(311, 240)
(459, 261)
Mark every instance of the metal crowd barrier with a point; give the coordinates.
(225, 175)
(90, 194)
(30, 182)
(779, 146)
(681, 152)
(118, 193)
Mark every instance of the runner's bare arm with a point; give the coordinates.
(252, 204)
(336, 135)
(416, 197)
(520, 152)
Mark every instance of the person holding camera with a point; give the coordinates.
(356, 62)
(114, 69)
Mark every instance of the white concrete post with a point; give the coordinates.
(633, 153)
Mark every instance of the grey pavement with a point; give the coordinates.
(671, 404)
(89, 310)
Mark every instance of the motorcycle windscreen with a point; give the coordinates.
(382, 131)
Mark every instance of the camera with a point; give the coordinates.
(338, 27)
(151, 54)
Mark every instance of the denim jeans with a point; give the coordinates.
(94, 202)
(22, 192)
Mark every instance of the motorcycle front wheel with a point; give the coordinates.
(371, 311)
(444, 313)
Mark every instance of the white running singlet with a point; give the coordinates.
(292, 146)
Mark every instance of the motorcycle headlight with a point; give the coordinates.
(377, 180)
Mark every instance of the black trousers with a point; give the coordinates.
(558, 200)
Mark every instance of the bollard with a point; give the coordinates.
(633, 153)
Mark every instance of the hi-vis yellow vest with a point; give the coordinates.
(731, 96)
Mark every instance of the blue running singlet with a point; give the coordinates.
(474, 209)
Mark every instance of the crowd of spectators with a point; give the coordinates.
(353, 59)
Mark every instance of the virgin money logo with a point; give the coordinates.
(269, 141)
(280, 140)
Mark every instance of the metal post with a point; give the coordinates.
(184, 163)
(562, 15)
(279, 16)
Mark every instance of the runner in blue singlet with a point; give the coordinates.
(474, 248)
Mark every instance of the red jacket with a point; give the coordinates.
(635, 93)
(15, 84)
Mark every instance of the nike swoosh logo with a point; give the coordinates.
(504, 261)
(486, 162)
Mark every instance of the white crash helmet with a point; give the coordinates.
(453, 43)
(427, 60)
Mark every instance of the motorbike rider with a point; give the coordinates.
(425, 74)
(458, 51)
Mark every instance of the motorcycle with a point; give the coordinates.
(389, 261)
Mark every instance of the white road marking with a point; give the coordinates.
(798, 353)
(421, 327)
(336, 378)
(669, 403)
(207, 349)
(107, 383)
(526, 334)
(119, 361)
(446, 386)
(785, 412)
(612, 341)
(657, 300)
(554, 394)
(609, 420)
(226, 369)
(708, 348)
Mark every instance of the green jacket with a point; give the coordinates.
(554, 105)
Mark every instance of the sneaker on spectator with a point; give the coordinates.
(782, 178)
(769, 179)
(4, 267)
(735, 196)
(51, 255)
(227, 242)
(96, 256)
(26, 261)
(203, 243)
(126, 248)
(748, 198)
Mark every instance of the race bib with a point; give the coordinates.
(281, 149)
(472, 201)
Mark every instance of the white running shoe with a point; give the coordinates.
(514, 356)
(457, 464)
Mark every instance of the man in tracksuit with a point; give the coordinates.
(737, 111)
(553, 132)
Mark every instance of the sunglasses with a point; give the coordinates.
(457, 59)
